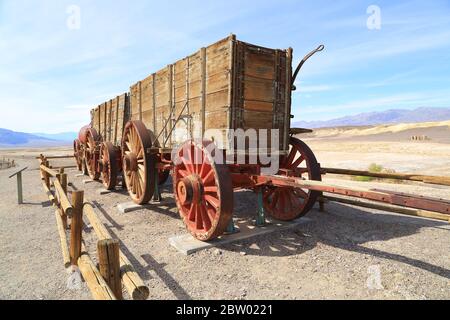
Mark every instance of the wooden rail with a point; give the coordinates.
(396, 176)
(63, 239)
(400, 210)
(63, 200)
(385, 196)
(49, 194)
(57, 157)
(105, 284)
(52, 173)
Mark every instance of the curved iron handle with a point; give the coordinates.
(300, 65)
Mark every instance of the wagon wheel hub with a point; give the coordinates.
(131, 162)
(190, 190)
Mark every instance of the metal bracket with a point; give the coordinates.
(261, 214)
(157, 197)
(231, 229)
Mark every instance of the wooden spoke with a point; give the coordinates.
(212, 201)
(212, 189)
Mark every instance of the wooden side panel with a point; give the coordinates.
(188, 95)
(121, 116)
(96, 119)
(218, 81)
(196, 69)
(260, 91)
(113, 121)
(147, 102)
(135, 101)
(180, 103)
(109, 129)
(102, 131)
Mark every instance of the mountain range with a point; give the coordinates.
(383, 117)
(10, 139)
(63, 136)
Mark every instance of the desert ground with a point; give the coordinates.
(333, 256)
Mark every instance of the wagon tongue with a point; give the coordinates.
(394, 198)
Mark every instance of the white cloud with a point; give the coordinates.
(79, 107)
(317, 88)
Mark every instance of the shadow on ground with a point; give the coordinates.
(343, 227)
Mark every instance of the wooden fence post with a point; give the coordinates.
(58, 177)
(46, 175)
(76, 226)
(63, 181)
(109, 265)
(19, 188)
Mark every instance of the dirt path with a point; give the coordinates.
(336, 255)
(31, 265)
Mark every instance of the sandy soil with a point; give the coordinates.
(438, 132)
(335, 255)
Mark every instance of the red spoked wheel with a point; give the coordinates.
(109, 165)
(286, 203)
(203, 190)
(91, 153)
(138, 164)
(78, 154)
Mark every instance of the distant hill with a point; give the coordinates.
(11, 139)
(382, 117)
(63, 136)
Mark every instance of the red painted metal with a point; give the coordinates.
(82, 134)
(164, 170)
(78, 153)
(399, 199)
(110, 164)
(91, 153)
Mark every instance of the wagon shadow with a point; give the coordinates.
(357, 227)
(107, 215)
(277, 244)
(168, 280)
(342, 227)
(168, 205)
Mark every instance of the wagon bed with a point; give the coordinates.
(227, 85)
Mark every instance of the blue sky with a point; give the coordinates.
(50, 75)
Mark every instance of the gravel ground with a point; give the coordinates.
(340, 254)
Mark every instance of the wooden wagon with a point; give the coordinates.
(161, 125)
